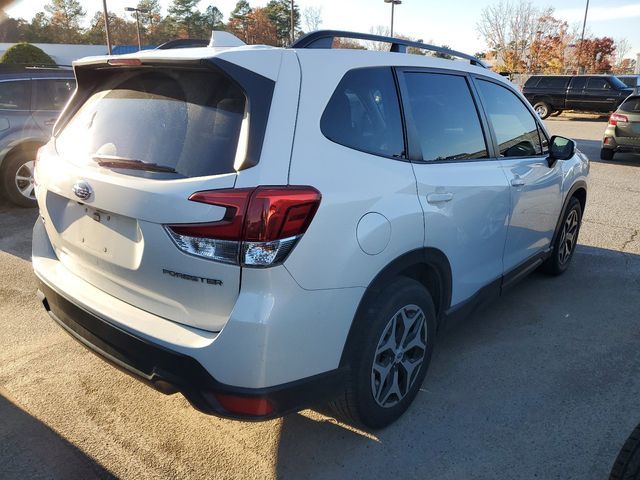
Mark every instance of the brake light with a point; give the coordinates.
(130, 62)
(616, 117)
(260, 226)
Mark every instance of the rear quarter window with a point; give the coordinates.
(364, 113)
(184, 120)
(631, 105)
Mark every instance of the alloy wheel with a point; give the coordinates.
(399, 356)
(569, 237)
(24, 180)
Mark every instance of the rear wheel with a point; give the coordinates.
(606, 154)
(542, 109)
(389, 356)
(17, 179)
(566, 240)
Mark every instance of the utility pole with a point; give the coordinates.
(106, 26)
(584, 24)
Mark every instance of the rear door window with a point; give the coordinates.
(515, 127)
(445, 116)
(178, 121)
(553, 82)
(15, 95)
(578, 83)
(52, 94)
(364, 113)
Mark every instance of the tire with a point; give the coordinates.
(564, 246)
(627, 464)
(380, 386)
(606, 154)
(17, 179)
(542, 109)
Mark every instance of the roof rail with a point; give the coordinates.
(325, 38)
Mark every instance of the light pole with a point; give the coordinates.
(137, 10)
(106, 25)
(393, 5)
(584, 24)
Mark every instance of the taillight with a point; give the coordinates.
(259, 229)
(616, 117)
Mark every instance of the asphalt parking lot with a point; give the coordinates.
(544, 383)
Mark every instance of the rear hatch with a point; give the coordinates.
(137, 140)
(628, 122)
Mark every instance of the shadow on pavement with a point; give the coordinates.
(541, 384)
(29, 449)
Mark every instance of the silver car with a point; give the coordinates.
(30, 101)
(623, 131)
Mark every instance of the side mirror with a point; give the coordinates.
(560, 148)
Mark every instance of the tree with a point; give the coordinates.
(312, 18)
(26, 54)
(240, 19)
(39, 30)
(184, 18)
(64, 21)
(122, 32)
(548, 51)
(279, 12)
(509, 28)
(13, 30)
(261, 29)
(210, 20)
(595, 55)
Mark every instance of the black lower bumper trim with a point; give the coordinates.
(170, 372)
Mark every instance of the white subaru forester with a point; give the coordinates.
(265, 229)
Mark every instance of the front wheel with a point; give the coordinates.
(389, 355)
(542, 109)
(566, 240)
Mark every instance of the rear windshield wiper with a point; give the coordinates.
(112, 161)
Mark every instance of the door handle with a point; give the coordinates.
(517, 182)
(50, 123)
(439, 197)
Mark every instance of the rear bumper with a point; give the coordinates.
(170, 372)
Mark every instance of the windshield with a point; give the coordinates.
(182, 122)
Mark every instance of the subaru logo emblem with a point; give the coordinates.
(82, 190)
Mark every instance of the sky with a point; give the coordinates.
(444, 23)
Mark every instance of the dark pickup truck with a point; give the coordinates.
(584, 93)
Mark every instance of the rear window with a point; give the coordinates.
(169, 122)
(364, 113)
(631, 105)
(531, 82)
